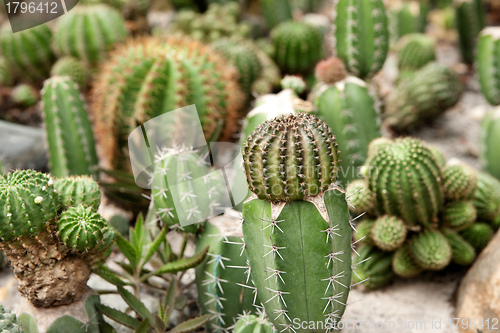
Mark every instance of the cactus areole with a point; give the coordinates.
(296, 226)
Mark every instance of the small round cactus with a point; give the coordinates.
(460, 182)
(293, 82)
(307, 169)
(72, 67)
(487, 197)
(24, 95)
(75, 190)
(462, 252)
(459, 215)
(330, 70)
(9, 322)
(361, 199)
(388, 233)
(403, 264)
(363, 232)
(252, 324)
(478, 235)
(431, 250)
(415, 51)
(372, 267)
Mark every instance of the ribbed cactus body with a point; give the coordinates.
(89, 32)
(6, 77)
(9, 322)
(460, 182)
(487, 197)
(362, 35)
(388, 233)
(489, 141)
(488, 64)
(28, 52)
(438, 155)
(431, 250)
(363, 232)
(298, 46)
(361, 199)
(459, 215)
(74, 191)
(24, 94)
(253, 324)
(403, 264)
(462, 252)
(349, 111)
(276, 11)
(72, 67)
(470, 20)
(372, 267)
(415, 51)
(406, 180)
(408, 18)
(28, 202)
(69, 133)
(478, 235)
(422, 97)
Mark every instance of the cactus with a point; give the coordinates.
(69, 133)
(9, 322)
(78, 190)
(372, 267)
(388, 233)
(363, 232)
(488, 65)
(362, 36)
(487, 197)
(275, 11)
(349, 111)
(298, 46)
(252, 324)
(422, 97)
(403, 264)
(293, 82)
(35, 45)
(299, 251)
(438, 155)
(406, 180)
(431, 250)
(6, 78)
(24, 95)
(470, 20)
(330, 70)
(415, 51)
(89, 33)
(489, 140)
(407, 18)
(459, 215)
(361, 199)
(460, 182)
(72, 67)
(478, 235)
(462, 252)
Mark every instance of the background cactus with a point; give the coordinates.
(24, 94)
(6, 78)
(460, 182)
(489, 140)
(9, 322)
(478, 235)
(330, 70)
(431, 250)
(89, 32)
(415, 51)
(403, 264)
(69, 133)
(276, 11)
(388, 233)
(462, 252)
(488, 53)
(78, 190)
(470, 20)
(487, 197)
(71, 67)
(361, 199)
(459, 215)
(373, 267)
(252, 324)
(293, 82)
(362, 36)
(407, 17)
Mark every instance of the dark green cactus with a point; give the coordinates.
(372, 267)
(460, 182)
(252, 324)
(388, 233)
(487, 197)
(363, 232)
(422, 97)
(298, 46)
(77, 190)
(89, 32)
(9, 322)
(406, 180)
(462, 252)
(470, 20)
(403, 264)
(478, 235)
(489, 140)
(72, 67)
(330, 70)
(459, 215)
(24, 94)
(415, 51)
(276, 11)
(431, 250)
(360, 198)
(6, 78)
(69, 133)
(488, 65)
(362, 36)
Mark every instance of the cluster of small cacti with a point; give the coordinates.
(420, 215)
(52, 234)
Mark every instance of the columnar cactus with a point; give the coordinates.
(296, 227)
(6, 78)
(415, 51)
(9, 322)
(35, 46)
(24, 94)
(489, 140)
(330, 70)
(298, 46)
(89, 32)
(276, 11)
(72, 67)
(462, 252)
(407, 17)
(349, 110)
(470, 20)
(431, 250)
(460, 182)
(388, 233)
(373, 267)
(252, 324)
(421, 97)
(459, 215)
(488, 53)
(69, 133)
(403, 263)
(362, 36)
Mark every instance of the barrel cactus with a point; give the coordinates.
(415, 51)
(363, 231)
(489, 140)
(388, 233)
(486, 198)
(459, 215)
(407, 17)
(460, 182)
(71, 67)
(78, 190)
(462, 252)
(291, 163)
(488, 52)
(403, 263)
(24, 95)
(478, 235)
(9, 322)
(362, 36)
(470, 20)
(361, 198)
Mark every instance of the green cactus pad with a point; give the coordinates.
(360, 198)
(372, 267)
(431, 250)
(489, 139)
(415, 51)
(28, 202)
(24, 94)
(462, 252)
(478, 235)
(74, 191)
(388, 233)
(253, 324)
(459, 215)
(72, 67)
(363, 232)
(291, 157)
(9, 322)
(487, 197)
(460, 182)
(82, 229)
(488, 53)
(403, 264)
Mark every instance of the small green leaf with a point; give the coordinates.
(29, 325)
(135, 303)
(191, 324)
(170, 300)
(118, 316)
(127, 249)
(159, 324)
(155, 245)
(143, 327)
(137, 235)
(67, 324)
(95, 317)
(110, 276)
(182, 264)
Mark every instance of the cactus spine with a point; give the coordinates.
(415, 51)
(488, 64)
(72, 67)
(373, 267)
(69, 133)
(362, 35)
(470, 20)
(299, 251)
(490, 154)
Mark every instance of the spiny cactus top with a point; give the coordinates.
(9, 322)
(77, 190)
(291, 157)
(27, 201)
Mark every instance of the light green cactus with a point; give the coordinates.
(438, 155)
(293, 82)
(372, 267)
(6, 77)
(415, 51)
(72, 67)
(69, 132)
(470, 20)
(487, 197)
(361, 199)
(489, 140)
(403, 264)
(24, 94)
(478, 235)
(431, 250)
(460, 182)
(362, 36)
(252, 324)
(462, 252)
(78, 190)
(459, 215)
(363, 232)
(388, 233)
(299, 250)
(488, 52)
(407, 17)
(9, 322)
(276, 11)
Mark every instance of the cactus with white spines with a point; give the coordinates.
(460, 182)
(478, 235)
(253, 324)
(9, 322)
(362, 36)
(72, 67)
(373, 267)
(403, 264)
(415, 51)
(462, 252)
(488, 64)
(388, 233)
(295, 219)
(70, 137)
(458, 215)
(489, 140)
(431, 250)
(470, 20)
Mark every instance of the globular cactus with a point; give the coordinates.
(422, 97)
(361, 199)
(406, 180)
(293, 82)
(431, 250)
(276, 11)
(78, 190)
(69, 132)
(403, 264)
(460, 182)
(462, 252)
(252, 324)
(470, 20)
(363, 231)
(6, 78)
(9, 322)
(478, 235)
(362, 36)
(415, 51)
(459, 215)
(298, 46)
(349, 110)
(372, 267)
(489, 140)
(330, 70)
(487, 197)
(388, 233)
(71, 67)
(406, 18)
(299, 250)
(438, 155)
(488, 53)
(24, 94)
(270, 74)
(89, 32)
(35, 44)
